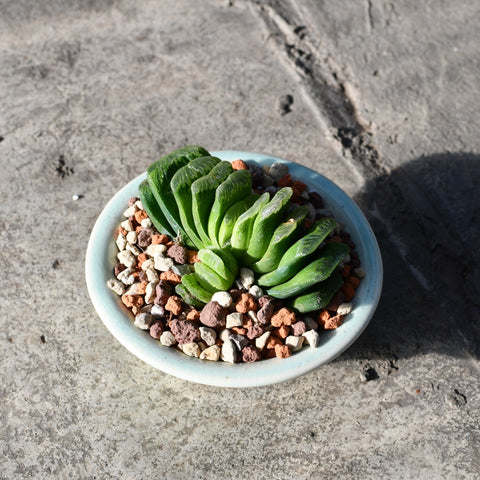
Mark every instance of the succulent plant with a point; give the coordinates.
(214, 208)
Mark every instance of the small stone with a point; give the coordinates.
(278, 170)
(132, 237)
(127, 258)
(240, 340)
(234, 320)
(157, 311)
(139, 205)
(163, 264)
(213, 315)
(344, 308)
(116, 286)
(146, 223)
(121, 241)
(261, 341)
(133, 249)
(174, 305)
(143, 321)
(208, 335)
(126, 277)
(250, 354)
(211, 353)
(247, 277)
(182, 270)
(224, 334)
(129, 211)
(282, 351)
(310, 323)
(191, 349)
(359, 272)
(153, 250)
(224, 299)
(156, 330)
(149, 263)
(150, 292)
(284, 104)
(178, 253)
(229, 351)
(295, 343)
(256, 291)
(312, 337)
(127, 225)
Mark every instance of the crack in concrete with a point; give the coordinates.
(330, 96)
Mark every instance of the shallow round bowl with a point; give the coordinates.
(100, 260)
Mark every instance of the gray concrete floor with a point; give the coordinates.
(385, 104)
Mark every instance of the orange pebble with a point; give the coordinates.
(122, 231)
(142, 257)
(174, 305)
(284, 316)
(239, 330)
(138, 229)
(281, 332)
(285, 181)
(346, 271)
(239, 165)
(193, 315)
(323, 316)
(140, 215)
(333, 322)
(171, 277)
(300, 186)
(272, 341)
(132, 300)
(348, 291)
(192, 256)
(354, 281)
(282, 351)
(158, 239)
(142, 287)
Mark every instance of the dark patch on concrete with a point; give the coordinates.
(284, 104)
(425, 216)
(1, 139)
(61, 167)
(42, 338)
(68, 53)
(56, 265)
(368, 374)
(36, 72)
(455, 399)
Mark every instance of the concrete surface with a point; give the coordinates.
(385, 103)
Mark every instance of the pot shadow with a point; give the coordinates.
(426, 216)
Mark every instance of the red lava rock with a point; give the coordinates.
(265, 313)
(333, 322)
(246, 303)
(239, 165)
(158, 239)
(171, 277)
(184, 331)
(193, 315)
(140, 215)
(174, 305)
(281, 332)
(284, 316)
(282, 351)
(178, 253)
(250, 354)
(213, 315)
(132, 301)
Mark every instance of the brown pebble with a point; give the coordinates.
(174, 305)
(284, 316)
(282, 351)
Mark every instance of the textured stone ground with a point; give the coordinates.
(385, 103)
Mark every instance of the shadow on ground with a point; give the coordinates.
(426, 216)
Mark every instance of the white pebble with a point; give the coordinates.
(133, 249)
(246, 277)
(157, 310)
(75, 197)
(152, 275)
(167, 339)
(344, 308)
(224, 299)
(253, 316)
(146, 223)
(261, 341)
(143, 321)
(224, 334)
(127, 225)
(132, 237)
(116, 286)
(211, 353)
(295, 343)
(139, 205)
(153, 250)
(163, 264)
(127, 258)
(229, 351)
(359, 272)
(124, 276)
(134, 289)
(234, 319)
(312, 337)
(191, 349)
(121, 241)
(208, 335)
(255, 291)
(150, 293)
(129, 211)
(148, 263)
